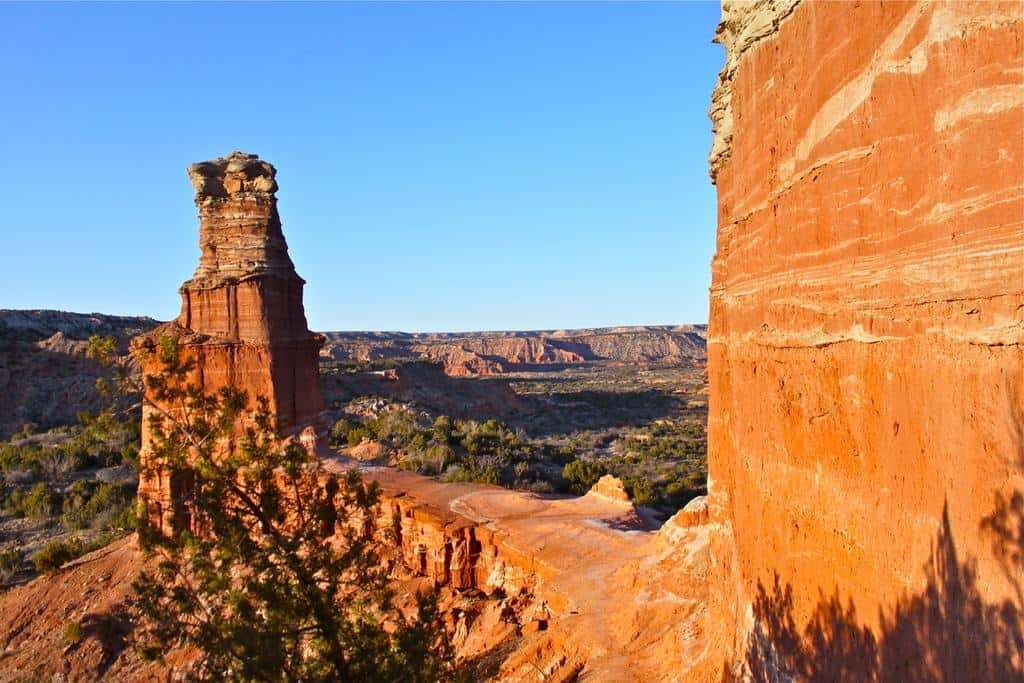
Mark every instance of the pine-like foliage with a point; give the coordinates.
(283, 580)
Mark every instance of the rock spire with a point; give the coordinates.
(242, 317)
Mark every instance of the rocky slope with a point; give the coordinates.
(45, 376)
(866, 429)
(491, 353)
(564, 586)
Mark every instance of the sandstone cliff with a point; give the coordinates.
(866, 429)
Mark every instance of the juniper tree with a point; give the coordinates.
(279, 576)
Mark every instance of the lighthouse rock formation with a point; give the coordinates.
(242, 318)
(866, 430)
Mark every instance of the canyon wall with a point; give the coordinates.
(242, 319)
(493, 353)
(46, 376)
(866, 430)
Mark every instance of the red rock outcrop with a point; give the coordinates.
(496, 355)
(242, 318)
(460, 362)
(866, 429)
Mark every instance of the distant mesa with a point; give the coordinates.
(494, 353)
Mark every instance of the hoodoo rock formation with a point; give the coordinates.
(866, 430)
(242, 318)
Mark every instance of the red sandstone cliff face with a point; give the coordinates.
(242, 318)
(866, 430)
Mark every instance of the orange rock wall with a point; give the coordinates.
(864, 354)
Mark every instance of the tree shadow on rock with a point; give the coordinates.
(947, 633)
(111, 630)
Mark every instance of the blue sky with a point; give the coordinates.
(443, 166)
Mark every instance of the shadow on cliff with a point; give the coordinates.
(946, 633)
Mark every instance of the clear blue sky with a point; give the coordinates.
(448, 166)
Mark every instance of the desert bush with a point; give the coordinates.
(104, 440)
(583, 474)
(99, 505)
(356, 435)
(55, 463)
(668, 441)
(418, 442)
(57, 553)
(21, 457)
(340, 430)
(410, 465)
(10, 562)
(396, 427)
(539, 486)
(641, 491)
(479, 475)
(436, 458)
(40, 502)
(521, 469)
(443, 430)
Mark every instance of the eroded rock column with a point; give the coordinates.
(242, 317)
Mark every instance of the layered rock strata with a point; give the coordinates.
(242, 318)
(492, 353)
(584, 586)
(866, 429)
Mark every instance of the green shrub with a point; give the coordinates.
(444, 430)
(480, 475)
(583, 474)
(24, 457)
(355, 436)
(395, 426)
(96, 504)
(340, 431)
(436, 458)
(521, 469)
(410, 465)
(56, 553)
(641, 491)
(39, 503)
(10, 562)
(418, 442)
